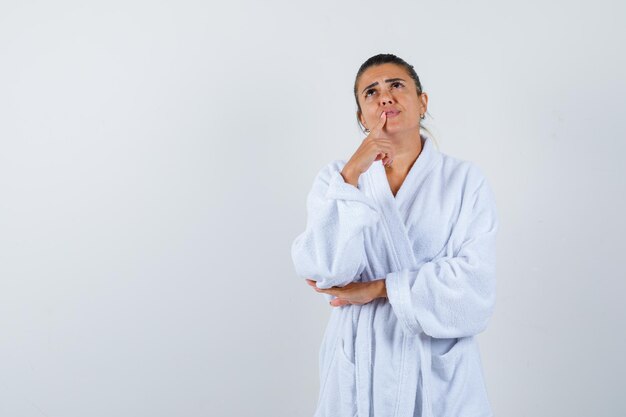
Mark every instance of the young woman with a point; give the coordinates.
(404, 250)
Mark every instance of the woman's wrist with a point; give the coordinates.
(349, 176)
(382, 288)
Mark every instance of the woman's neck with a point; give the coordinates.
(408, 148)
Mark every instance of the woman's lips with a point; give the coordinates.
(392, 113)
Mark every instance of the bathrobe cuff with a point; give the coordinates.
(399, 295)
(339, 189)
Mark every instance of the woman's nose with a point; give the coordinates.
(385, 97)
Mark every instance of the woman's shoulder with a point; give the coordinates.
(336, 165)
(331, 168)
(467, 172)
(328, 174)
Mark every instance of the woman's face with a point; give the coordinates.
(389, 88)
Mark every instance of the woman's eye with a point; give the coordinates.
(397, 83)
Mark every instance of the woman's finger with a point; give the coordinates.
(381, 123)
(313, 285)
(337, 302)
(384, 148)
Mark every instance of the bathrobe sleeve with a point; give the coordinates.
(453, 295)
(331, 250)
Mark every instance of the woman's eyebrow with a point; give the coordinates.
(387, 81)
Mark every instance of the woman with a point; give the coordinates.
(404, 249)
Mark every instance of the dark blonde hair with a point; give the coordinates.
(386, 59)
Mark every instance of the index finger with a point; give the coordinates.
(381, 123)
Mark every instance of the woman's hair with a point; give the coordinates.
(386, 59)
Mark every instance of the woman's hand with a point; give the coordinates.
(375, 146)
(354, 293)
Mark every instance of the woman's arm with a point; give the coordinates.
(331, 250)
(453, 296)
(353, 293)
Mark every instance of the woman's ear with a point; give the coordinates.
(359, 115)
(424, 100)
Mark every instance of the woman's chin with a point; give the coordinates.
(401, 131)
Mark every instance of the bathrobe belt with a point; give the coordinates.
(408, 378)
(425, 369)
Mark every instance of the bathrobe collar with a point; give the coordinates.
(393, 207)
(418, 171)
(400, 247)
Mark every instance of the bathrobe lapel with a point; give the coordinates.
(401, 249)
(393, 208)
(395, 228)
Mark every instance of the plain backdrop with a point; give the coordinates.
(155, 159)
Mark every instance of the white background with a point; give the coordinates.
(155, 159)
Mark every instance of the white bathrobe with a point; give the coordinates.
(413, 353)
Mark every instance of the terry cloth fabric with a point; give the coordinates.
(413, 353)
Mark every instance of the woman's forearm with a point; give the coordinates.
(382, 288)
